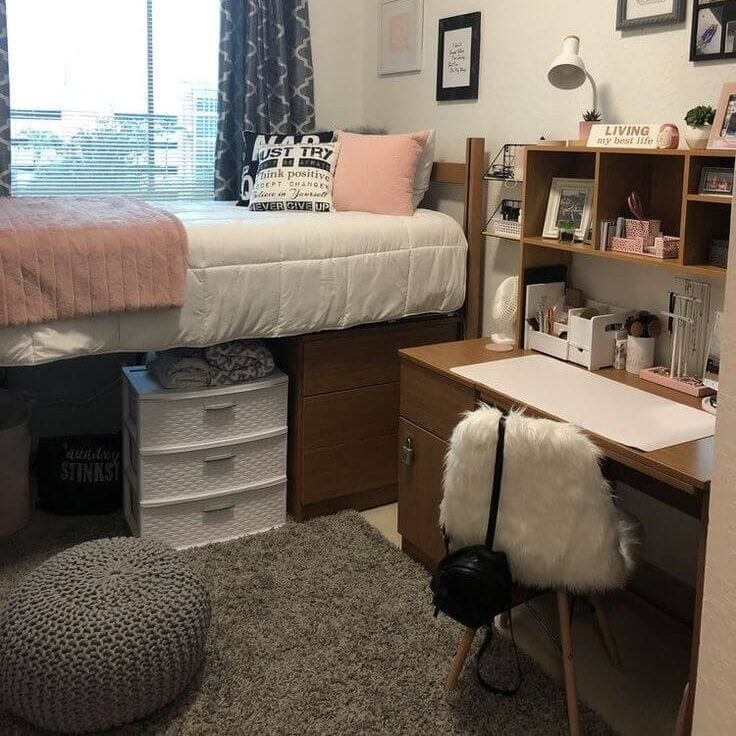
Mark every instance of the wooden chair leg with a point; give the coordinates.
(458, 661)
(606, 632)
(568, 662)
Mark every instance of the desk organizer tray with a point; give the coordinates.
(690, 385)
(662, 246)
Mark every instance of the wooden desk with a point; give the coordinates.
(432, 399)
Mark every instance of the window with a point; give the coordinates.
(114, 97)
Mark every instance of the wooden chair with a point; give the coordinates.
(571, 502)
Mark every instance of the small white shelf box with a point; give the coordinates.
(204, 465)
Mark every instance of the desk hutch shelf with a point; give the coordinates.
(667, 182)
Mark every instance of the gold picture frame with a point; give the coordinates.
(723, 132)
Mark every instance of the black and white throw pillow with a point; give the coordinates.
(254, 142)
(295, 178)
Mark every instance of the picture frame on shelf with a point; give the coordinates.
(400, 33)
(642, 13)
(570, 201)
(713, 32)
(723, 131)
(716, 180)
(458, 57)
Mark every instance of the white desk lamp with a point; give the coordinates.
(568, 69)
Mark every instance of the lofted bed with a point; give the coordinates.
(336, 295)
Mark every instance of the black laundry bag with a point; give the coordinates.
(80, 474)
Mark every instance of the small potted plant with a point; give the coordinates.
(566, 231)
(590, 117)
(699, 122)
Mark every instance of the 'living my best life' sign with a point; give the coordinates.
(634, 135)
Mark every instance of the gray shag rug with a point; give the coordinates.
(324, 628)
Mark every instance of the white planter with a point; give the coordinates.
(639, 353)
(697, 137)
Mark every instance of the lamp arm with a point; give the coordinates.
(595, 90)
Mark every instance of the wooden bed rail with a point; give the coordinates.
(470, 176)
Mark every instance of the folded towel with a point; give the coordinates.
(179, 368)
(239, 361)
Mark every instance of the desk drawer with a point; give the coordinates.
(420, 490)
(431, 401)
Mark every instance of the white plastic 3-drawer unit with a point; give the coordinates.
(203, 465)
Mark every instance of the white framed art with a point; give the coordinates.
(570, 200)
(400, 27)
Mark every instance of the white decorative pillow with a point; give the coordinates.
(424, 169)
(295, 178)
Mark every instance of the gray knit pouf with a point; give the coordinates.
(100, 635)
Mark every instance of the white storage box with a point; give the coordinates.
(592, 341)
(204, 465)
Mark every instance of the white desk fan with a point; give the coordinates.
(503, 311)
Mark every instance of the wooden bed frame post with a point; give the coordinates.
(473, 220)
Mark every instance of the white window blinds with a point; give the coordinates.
(116, 97)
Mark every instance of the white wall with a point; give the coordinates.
(338, 54)
(715, 694)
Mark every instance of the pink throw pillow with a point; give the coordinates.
(375, 173)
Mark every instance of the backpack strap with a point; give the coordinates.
(505, 691)
(497, 477)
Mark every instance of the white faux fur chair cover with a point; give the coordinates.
(557, 522)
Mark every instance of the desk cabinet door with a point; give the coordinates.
(421, 457)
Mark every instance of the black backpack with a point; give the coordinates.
(473, 585)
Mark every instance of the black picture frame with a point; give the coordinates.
(455, 23)
(677, 15)
(725, 33)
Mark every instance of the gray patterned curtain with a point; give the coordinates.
(266, 81)
(4, 104)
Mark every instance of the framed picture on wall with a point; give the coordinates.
(400, 24)
(639, 13)
(458, 57)
(714, 30)
(723, 131)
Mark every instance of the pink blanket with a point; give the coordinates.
(63, 258)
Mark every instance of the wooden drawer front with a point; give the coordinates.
(433, 402)
(350, 416)
(420, 490)
(349, 468)
(366, 356)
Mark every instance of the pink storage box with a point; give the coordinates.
(663, 246)
(643, 229)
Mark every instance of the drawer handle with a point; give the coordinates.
(219, 407)
(215, 509)
(218, 458)
(407, 452)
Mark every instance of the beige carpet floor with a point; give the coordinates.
(323, 628)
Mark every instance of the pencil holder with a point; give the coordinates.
(639, 353)
(643, 229)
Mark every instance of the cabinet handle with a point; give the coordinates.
(219, 407)
(215, 509)
(407, 452)
(218, 458)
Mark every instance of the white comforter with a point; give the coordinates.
(271, 274)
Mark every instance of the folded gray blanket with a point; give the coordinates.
(179, 368)
(239, 361)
